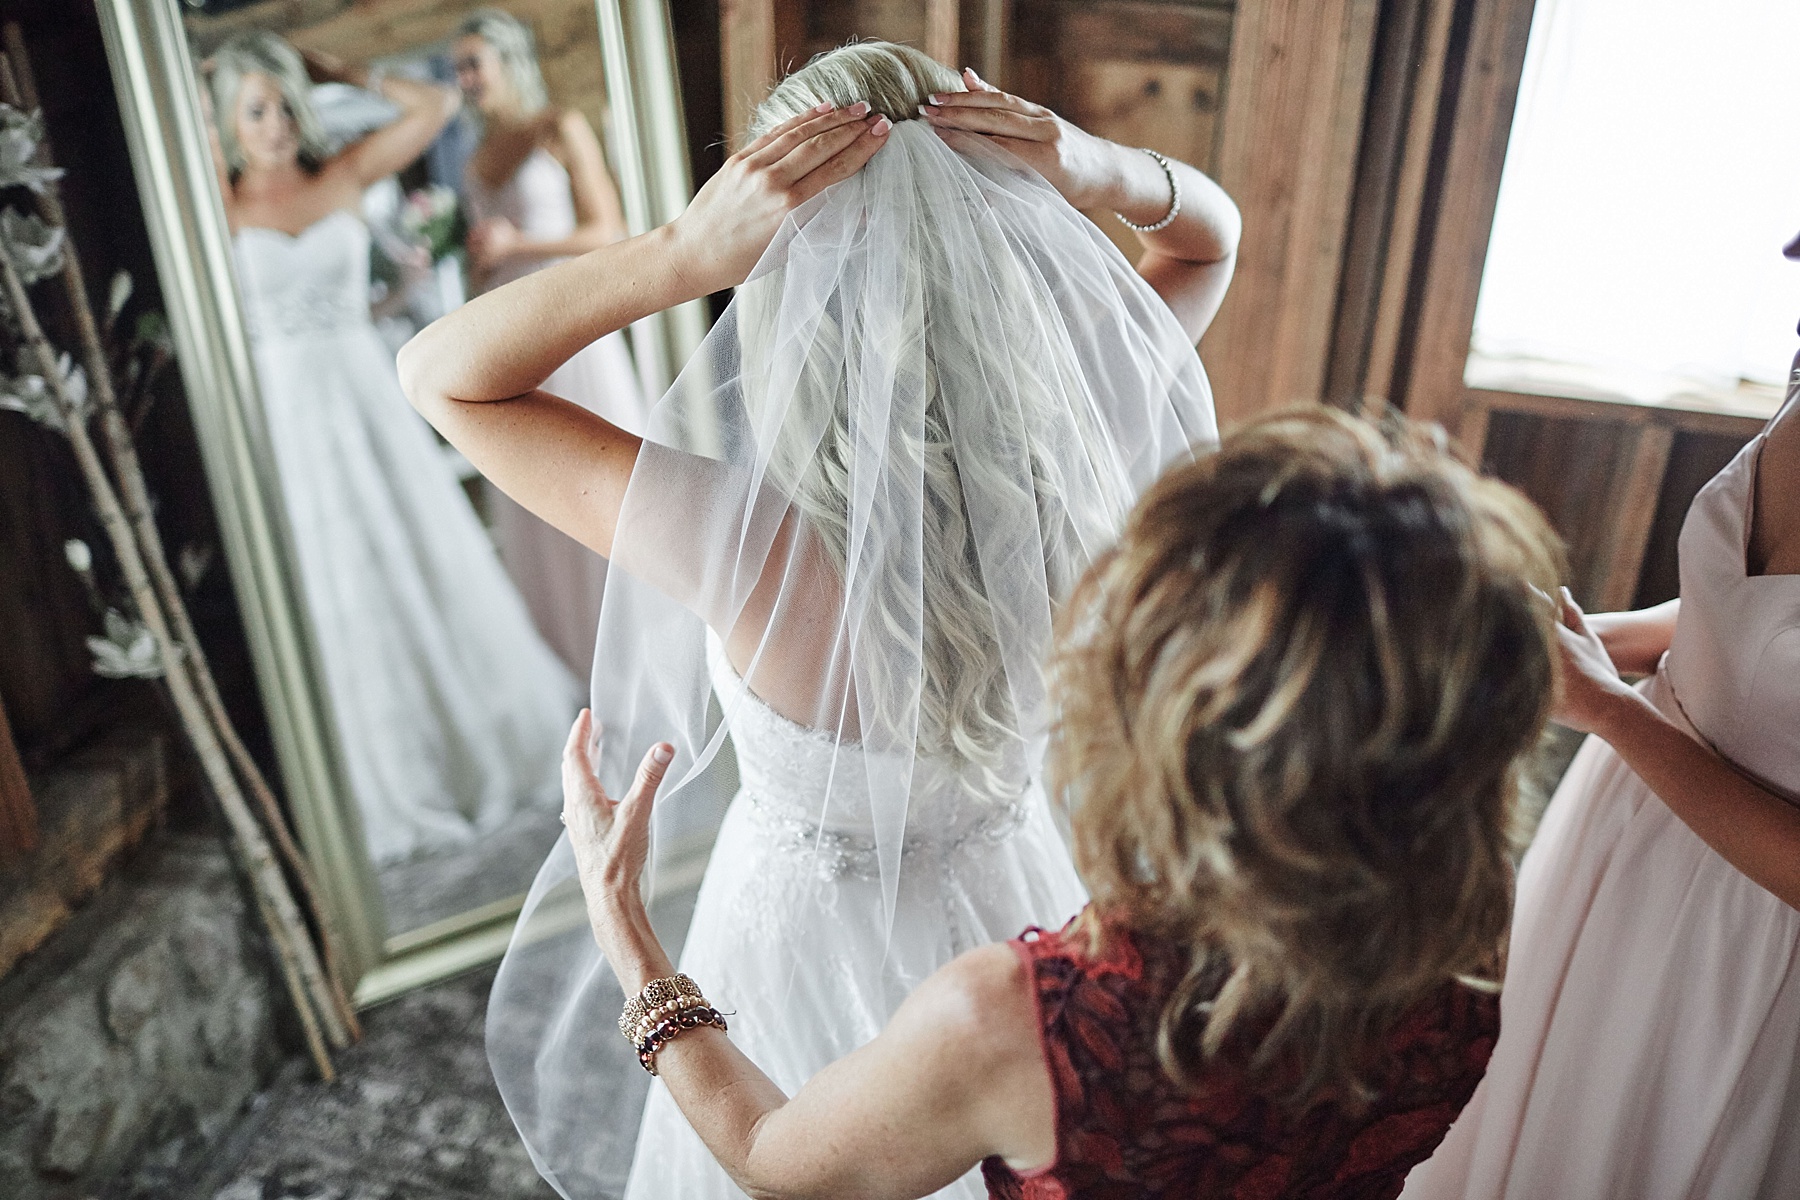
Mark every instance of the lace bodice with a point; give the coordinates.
(814, 791)
(313, 282)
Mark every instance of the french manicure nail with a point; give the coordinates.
(860, 108)
(881, 127)
(935, 98)
(663, 754)
(822, 108)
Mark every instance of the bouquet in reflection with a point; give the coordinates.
(432, 219)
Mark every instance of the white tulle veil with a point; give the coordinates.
(933, 402)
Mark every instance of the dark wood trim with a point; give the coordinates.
(18, 811)
(1627, 532)
(1570, 408)
(1481, 85)
(1398, 49)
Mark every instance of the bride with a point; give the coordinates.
(445, 701)
(935, 395)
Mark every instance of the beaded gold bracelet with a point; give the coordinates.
(659, 997)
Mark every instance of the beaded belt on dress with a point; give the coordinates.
(839, 854)
(305, 311)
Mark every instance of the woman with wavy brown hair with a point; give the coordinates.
(1291, 704)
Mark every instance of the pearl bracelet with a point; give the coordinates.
(1174, 198)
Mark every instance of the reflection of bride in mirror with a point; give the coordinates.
(538, 192)
(448, 707)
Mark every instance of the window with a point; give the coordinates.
(1652, 178)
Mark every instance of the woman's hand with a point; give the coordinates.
(1591, 688)
(1084, 168)
(735, 216)
(492, 242)
(611, 841)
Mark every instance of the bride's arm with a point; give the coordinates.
(956, 1076)
(1189, 262)
(476, 373)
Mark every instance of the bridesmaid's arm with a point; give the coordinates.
(599, 217)
(476, 374)
(957, 1075)
(1637, 640)
(1750, 827)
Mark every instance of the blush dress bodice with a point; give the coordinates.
(562, 581)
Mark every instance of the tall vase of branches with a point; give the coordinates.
(76, 393)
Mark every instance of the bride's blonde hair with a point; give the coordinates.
(263, 53)
(967, 715)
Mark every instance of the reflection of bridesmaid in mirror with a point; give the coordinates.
(538, 191)
(448, 707)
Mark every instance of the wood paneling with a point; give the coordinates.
(567, 33)
(746, 59)
(1288, 144)
(1141, 74)
(1481, 88)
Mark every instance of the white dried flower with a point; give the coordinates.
(193, 561)
(31, 394)
(20, 133)
(118, 294)
(79, 555)
(128, 651)
(34, 247)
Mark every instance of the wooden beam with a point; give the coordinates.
(1401, 254)
(1483, 81)
(1291, 129)
(943, 39)
(18, 812)
(1403, 40)
(991, 52)
(747, 58)
(1633, 513)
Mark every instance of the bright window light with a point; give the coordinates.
(1652, 179)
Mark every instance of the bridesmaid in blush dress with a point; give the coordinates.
(1650, 1043)
(537, 192)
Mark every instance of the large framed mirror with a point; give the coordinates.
(321, 178)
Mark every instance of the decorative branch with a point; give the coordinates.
(17, 88)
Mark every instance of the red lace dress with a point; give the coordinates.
(1125, 1130)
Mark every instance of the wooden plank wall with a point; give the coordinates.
(567, 33)
(1363, 141)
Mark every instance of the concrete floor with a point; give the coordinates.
(413, 1115)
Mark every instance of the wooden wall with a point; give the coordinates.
(567, 32)
(1363, 141)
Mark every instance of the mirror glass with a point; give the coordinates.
(379, 162)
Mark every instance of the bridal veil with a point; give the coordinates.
(929, 407)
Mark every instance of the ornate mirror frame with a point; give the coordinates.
(154, 77)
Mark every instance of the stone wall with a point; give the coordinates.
(144, 1024)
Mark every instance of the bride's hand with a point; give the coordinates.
(1084, 168)
(735, 216)
(610, 838)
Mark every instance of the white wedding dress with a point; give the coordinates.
(781, 879)
(449, 709)
(561, 580)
